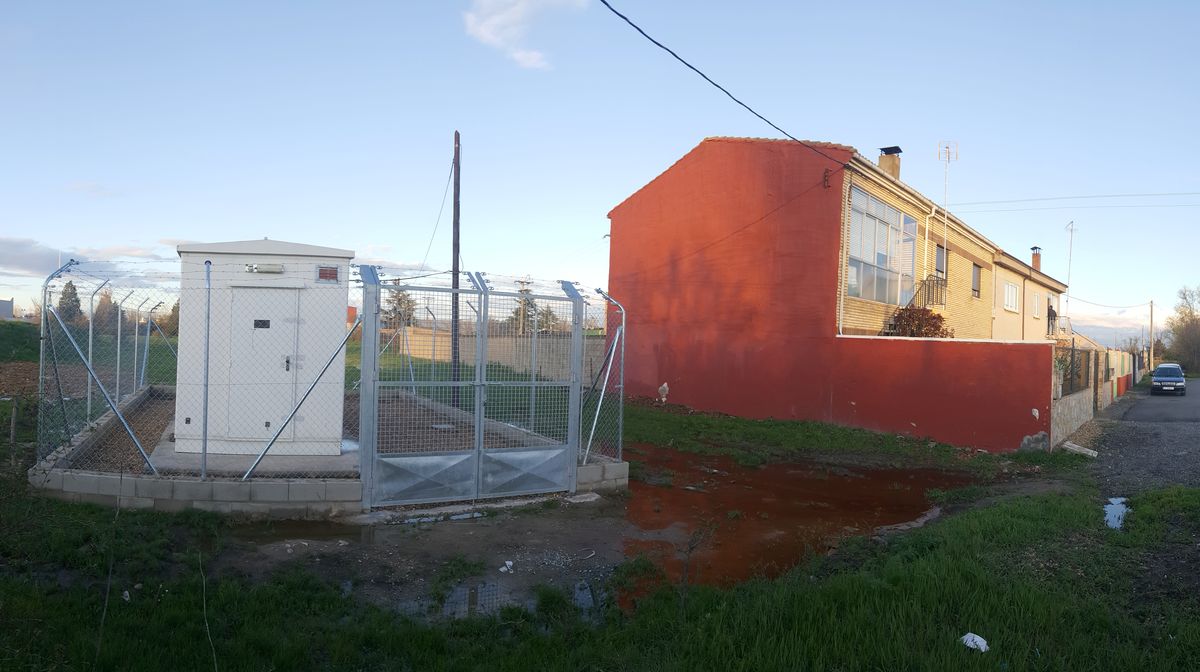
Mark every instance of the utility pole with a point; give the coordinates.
(523, 305)
(1071, 246)
(454, 277)
(1151, 367)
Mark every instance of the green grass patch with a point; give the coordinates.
(1040, 578)
(955, 496)
(18, 341)
(453, 572)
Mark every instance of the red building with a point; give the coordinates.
(731, 265)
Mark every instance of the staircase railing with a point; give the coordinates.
(930, 292)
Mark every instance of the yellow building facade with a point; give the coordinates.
(901, 249)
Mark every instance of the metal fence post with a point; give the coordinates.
(141, 382)
(533, 375)
(621, 374)
(481, 362)
(137, 318)
(368, 404)
(120, 322)
(204, 392)
(576, 393)
(91, 328)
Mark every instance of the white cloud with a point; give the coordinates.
(25, 257)
(504, 24)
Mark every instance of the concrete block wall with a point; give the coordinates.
(602, 476)
(276, 498)
(1069, 414)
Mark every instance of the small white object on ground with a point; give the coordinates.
(507, 568)
(1078, 449)
(1114, 512)
(974, 641)
(125, 596)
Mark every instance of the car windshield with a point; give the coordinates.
(1168, 372)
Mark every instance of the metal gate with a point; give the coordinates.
(468, 393)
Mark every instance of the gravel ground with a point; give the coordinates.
(1145, 442)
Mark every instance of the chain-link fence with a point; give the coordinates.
(225, 367)
(205, 371)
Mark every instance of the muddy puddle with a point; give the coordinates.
(729, 523)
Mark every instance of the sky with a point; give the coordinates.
(127, 127)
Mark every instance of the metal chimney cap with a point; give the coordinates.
(888, 151)
(1036, 249)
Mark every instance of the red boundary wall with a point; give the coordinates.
(982, 394)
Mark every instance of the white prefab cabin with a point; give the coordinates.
(277, 313)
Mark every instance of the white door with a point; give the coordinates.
(262, 372)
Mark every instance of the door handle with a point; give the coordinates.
(287, 363)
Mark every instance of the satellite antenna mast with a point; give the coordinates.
(947, 152)
(1070, 245)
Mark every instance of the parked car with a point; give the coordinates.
(1168, 378)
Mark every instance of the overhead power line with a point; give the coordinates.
(439, 217)
(1105, 305)
(708, 79)
(1072, 198)
(1083, 207)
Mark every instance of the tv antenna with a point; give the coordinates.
(1070, 227)
(947, 152)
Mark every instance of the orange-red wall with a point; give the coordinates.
(728, 264)
(966, 393)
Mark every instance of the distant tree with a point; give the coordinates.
(919, 322)
(547, 320)
(105, 316)
(399, 309)
(169, 323)
(1184, 330)
(68, 304)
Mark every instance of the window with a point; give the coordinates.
(1012, 300)
(883, 245)
(1037, 305)
(327, 274)
(976, 271)
(940, 262)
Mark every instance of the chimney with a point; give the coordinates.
(1037, 258)
(889, 160)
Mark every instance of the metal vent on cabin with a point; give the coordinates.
(262, 324)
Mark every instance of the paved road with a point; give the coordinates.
(1149, 442)
(1165, 408)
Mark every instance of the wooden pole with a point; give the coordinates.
(1151, 335)
(454, 277)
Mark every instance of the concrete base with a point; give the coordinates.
(602, 476)
(167, 458)
(278, 499)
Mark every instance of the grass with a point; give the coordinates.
(1040, 578)
(754, 442)
(452, 572)
(956, 496)
(18, 341)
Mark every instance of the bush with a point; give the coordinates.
(920, 323)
